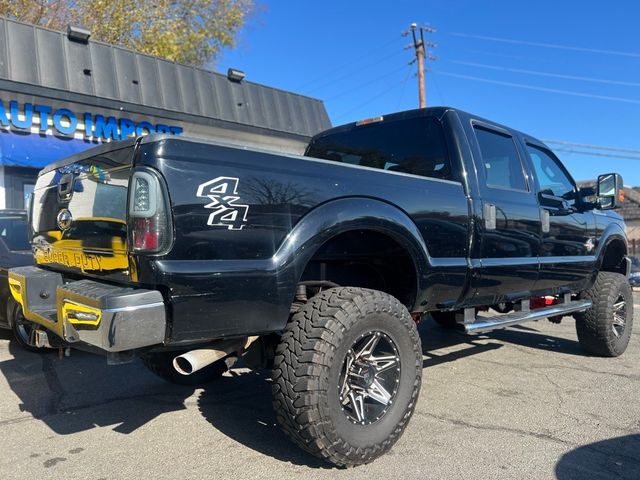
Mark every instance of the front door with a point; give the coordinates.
(568, 233)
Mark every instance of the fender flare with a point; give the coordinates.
(347, 214)
(612, 233)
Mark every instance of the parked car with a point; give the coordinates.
(318, 267)
(15, 251)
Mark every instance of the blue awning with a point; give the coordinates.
(24, 149)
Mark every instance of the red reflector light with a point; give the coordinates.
(367, 121)
(145, 236)
(540, 302)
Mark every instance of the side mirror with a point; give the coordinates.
(610, 192)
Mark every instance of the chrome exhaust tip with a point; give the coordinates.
(195, 360)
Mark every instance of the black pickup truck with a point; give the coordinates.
(193, 254)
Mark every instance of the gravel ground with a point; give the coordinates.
(512, 404)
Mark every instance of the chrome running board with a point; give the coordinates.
(485, 324)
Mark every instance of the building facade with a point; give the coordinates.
(631, 214)
(60, 95)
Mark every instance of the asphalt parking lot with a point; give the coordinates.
(518, 403)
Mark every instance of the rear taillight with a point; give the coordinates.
(149, 216)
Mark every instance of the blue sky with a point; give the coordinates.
(581, 86)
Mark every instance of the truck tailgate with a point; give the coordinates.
(79, 215)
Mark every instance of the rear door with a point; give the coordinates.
(506, 260)
(79, 214)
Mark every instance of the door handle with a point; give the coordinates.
(545, 219)
(489, 216)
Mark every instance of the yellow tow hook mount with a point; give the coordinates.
(78, 314)
(15, 286)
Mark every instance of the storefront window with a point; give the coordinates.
(27, 190)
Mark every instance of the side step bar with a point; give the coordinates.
(514, 318)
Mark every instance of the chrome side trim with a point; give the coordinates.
(514, 261)
(507, 262)
(131, 309)
(568, 259)
(448, 262)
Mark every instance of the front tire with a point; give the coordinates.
(605, 329)
(347, 375)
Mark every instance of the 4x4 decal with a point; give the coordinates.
(223, 193)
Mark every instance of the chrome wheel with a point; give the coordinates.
(370, 377)
(619, 316)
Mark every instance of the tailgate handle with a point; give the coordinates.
(65, 186)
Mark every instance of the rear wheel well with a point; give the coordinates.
(613, 258)
(366, 259)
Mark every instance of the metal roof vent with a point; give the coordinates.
(78, 34)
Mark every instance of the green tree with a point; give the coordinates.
(186, 31)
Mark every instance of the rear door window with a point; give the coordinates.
(413, 145)
(500, 160)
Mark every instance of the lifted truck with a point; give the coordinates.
(318, 267)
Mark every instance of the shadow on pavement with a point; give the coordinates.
(613, 458)
(435, 337)
(240, 407)
(534, 339)
(81, 392)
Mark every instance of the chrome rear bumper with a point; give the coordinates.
(112, 318)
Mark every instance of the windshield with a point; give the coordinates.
(14, 232)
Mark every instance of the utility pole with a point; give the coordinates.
(422, 55)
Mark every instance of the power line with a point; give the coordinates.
(495, 54)
(593, 147)
(403, 87)
(548, 45)
(435, 82)
(354, 71)
(547, 74)
(540, 89)
(390, 88)
(595, 154)
(349, 63)
(375, 80)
